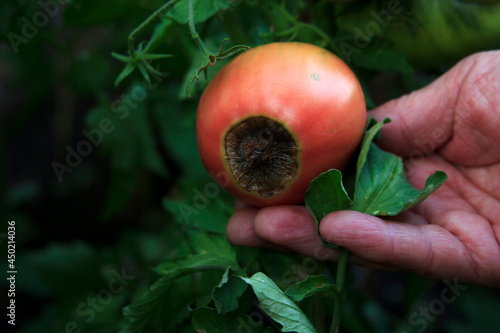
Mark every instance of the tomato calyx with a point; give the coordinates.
(261, 155)
(210, 58)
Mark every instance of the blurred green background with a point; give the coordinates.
(94, 175)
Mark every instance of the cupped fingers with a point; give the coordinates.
(286, 228)
(428, 249)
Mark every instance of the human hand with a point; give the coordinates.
(451, 125)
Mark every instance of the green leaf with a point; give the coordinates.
(205, 319)
(312, 285)
(207, 248)
(228, 292)
(160, 33)
(278, 306)
(379, 56)
(138, 314)
(383, 189)
(211, 256)
(326, 194)
(197, 210)
(122, 131)
(199, 259)
(211, 243)
(129, 68)
(176, 127)
(203, 10)
(211, 252)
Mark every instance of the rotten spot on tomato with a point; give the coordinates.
(261, 154)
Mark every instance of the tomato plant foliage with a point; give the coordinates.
(134, 238)
(377, 185)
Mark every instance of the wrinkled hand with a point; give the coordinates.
(451, 125)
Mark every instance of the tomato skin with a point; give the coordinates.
(306, 88)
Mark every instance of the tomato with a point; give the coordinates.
(277, 116)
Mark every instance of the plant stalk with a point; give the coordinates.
(194, 33)
(310, 27)
(341, 274)
(153, 16)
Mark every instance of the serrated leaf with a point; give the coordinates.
(199, 211)
(326, 194)
(138, 314)
(208, 249)
(211, 252)
(312, 285)
(202, 9)
(278, 306)
(211, 243)
(228, 292)
(383, 189)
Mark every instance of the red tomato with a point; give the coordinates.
(277, 116)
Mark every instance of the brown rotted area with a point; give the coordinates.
(262, 155)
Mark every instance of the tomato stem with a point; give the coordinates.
(141, 27)
(194, 33)
(301, 25)
(209, 58)
(341, 274)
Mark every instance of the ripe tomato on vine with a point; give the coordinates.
(277, 116)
